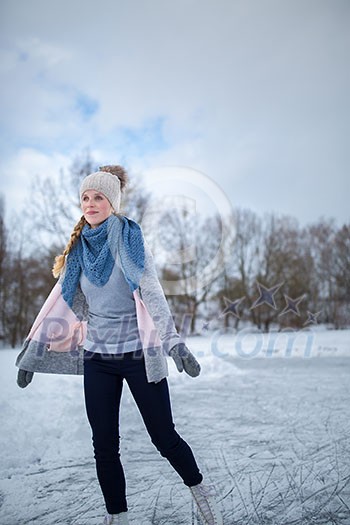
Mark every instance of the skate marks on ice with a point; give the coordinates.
(254, 486)
(69, 494)
(286, 492)
(286, 459)
(274, 441)
(155, 494)
(265, 483)
(51, 494)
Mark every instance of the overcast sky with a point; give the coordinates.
(252, 93)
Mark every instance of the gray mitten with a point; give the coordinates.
(24, 378)
(185, 360)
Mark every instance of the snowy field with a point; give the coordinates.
(268, 421)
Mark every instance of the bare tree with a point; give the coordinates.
(192, 263)
(342, 275)
(268, 251)
(54, 205)
(246, 248)
(3, 253)
(342, 261)
(321, 237)
(25, 281)
(202, 261)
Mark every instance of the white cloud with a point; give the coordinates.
(45, 53)
(255, 94)
(18, 171)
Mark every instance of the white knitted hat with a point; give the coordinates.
(105, 183)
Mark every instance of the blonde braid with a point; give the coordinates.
(61, 259)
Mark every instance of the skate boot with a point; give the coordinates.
(116, 519)
(204, 496)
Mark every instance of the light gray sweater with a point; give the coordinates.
(112, 323)
(36, 356)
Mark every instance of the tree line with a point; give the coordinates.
(262, 271)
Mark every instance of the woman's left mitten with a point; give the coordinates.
(185, 360)
(24, 378)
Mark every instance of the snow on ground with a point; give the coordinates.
(273, 435)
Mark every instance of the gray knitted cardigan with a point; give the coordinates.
(55, 342)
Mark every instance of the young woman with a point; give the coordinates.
(108, 318)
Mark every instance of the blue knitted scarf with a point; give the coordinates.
(96, 250)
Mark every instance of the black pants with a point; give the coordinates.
(103, 383)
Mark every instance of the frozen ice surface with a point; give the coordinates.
(272, 434)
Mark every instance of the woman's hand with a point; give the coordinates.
(24, 378)
(185, 360)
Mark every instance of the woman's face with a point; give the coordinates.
(96, 207)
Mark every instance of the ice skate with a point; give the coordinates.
(116, 519)
(204, 496)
